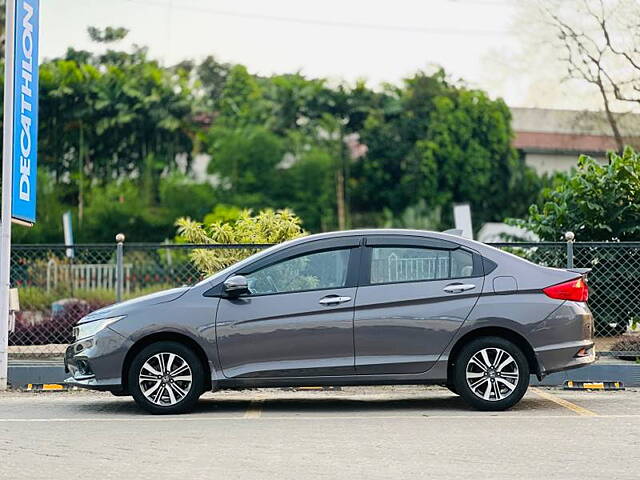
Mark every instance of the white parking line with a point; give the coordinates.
(198, 418)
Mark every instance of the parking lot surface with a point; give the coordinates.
(371, 433)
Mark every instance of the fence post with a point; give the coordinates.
(569, 237)
(119, 266)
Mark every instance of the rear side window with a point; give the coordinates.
(461, 264)
(412, 264)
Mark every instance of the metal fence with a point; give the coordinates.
(59, 284)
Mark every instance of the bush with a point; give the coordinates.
(35, 298)
(267, 227)
(51, 327)
(596, 202)
(36, 324)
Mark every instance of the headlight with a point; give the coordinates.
(89, 329)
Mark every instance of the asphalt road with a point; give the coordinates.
(355, 433)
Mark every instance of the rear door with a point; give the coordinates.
(298, 319)
(414, 295)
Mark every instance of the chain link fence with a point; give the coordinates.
(58, 285)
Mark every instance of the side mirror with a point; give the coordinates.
(236, 285)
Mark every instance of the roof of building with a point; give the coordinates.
(540, 129)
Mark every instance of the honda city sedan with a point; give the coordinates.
(364, 307)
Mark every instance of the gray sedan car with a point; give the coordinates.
(363, 307)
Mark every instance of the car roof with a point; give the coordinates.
(388, 231)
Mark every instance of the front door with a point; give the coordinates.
(298, 318)
(412, 300)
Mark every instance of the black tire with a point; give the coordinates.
(452, 388)
(184, 404)
(495, 402)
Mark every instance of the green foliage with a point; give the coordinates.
(418, 216)
(118, 134)
(223, 214)
(241, 101)
(596, 202)
(124, 207)
(39, 299)
(267, 227)
(307, 187)
(245, 159)
(212, 76)
(117, 208)
(442, 143)
(108, 34)
(180, 196)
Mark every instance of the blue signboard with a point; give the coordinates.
(25, 111)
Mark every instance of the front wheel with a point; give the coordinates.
(491, 373)
(166, 378)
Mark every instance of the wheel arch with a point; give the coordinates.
(165, 336)
(501, 332)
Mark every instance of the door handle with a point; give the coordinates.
(458, 287)
(333, 300)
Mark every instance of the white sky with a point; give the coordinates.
(348, 39)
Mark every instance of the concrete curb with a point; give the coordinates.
(23, 373)
(627, 373)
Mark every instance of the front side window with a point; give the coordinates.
(321, 270)
(413, 264)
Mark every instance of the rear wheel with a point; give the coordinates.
(491, 373)
(166, 378)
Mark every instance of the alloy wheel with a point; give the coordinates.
(492, 374)
(165, 379)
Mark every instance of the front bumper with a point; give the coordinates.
(96, 362)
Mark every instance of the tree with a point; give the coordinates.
(307, 186)
(470, 154)
(267, 227)
(601, 46)
(119, 130)
(212, 76)
(241, 101)
(597, 202)
(245, 159)
(442, 143)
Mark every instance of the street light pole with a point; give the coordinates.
(7, 164)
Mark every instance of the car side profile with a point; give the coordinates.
(362, 307)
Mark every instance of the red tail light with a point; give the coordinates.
(575, 290)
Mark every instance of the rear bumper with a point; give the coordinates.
(565, 356)
(565, 339)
